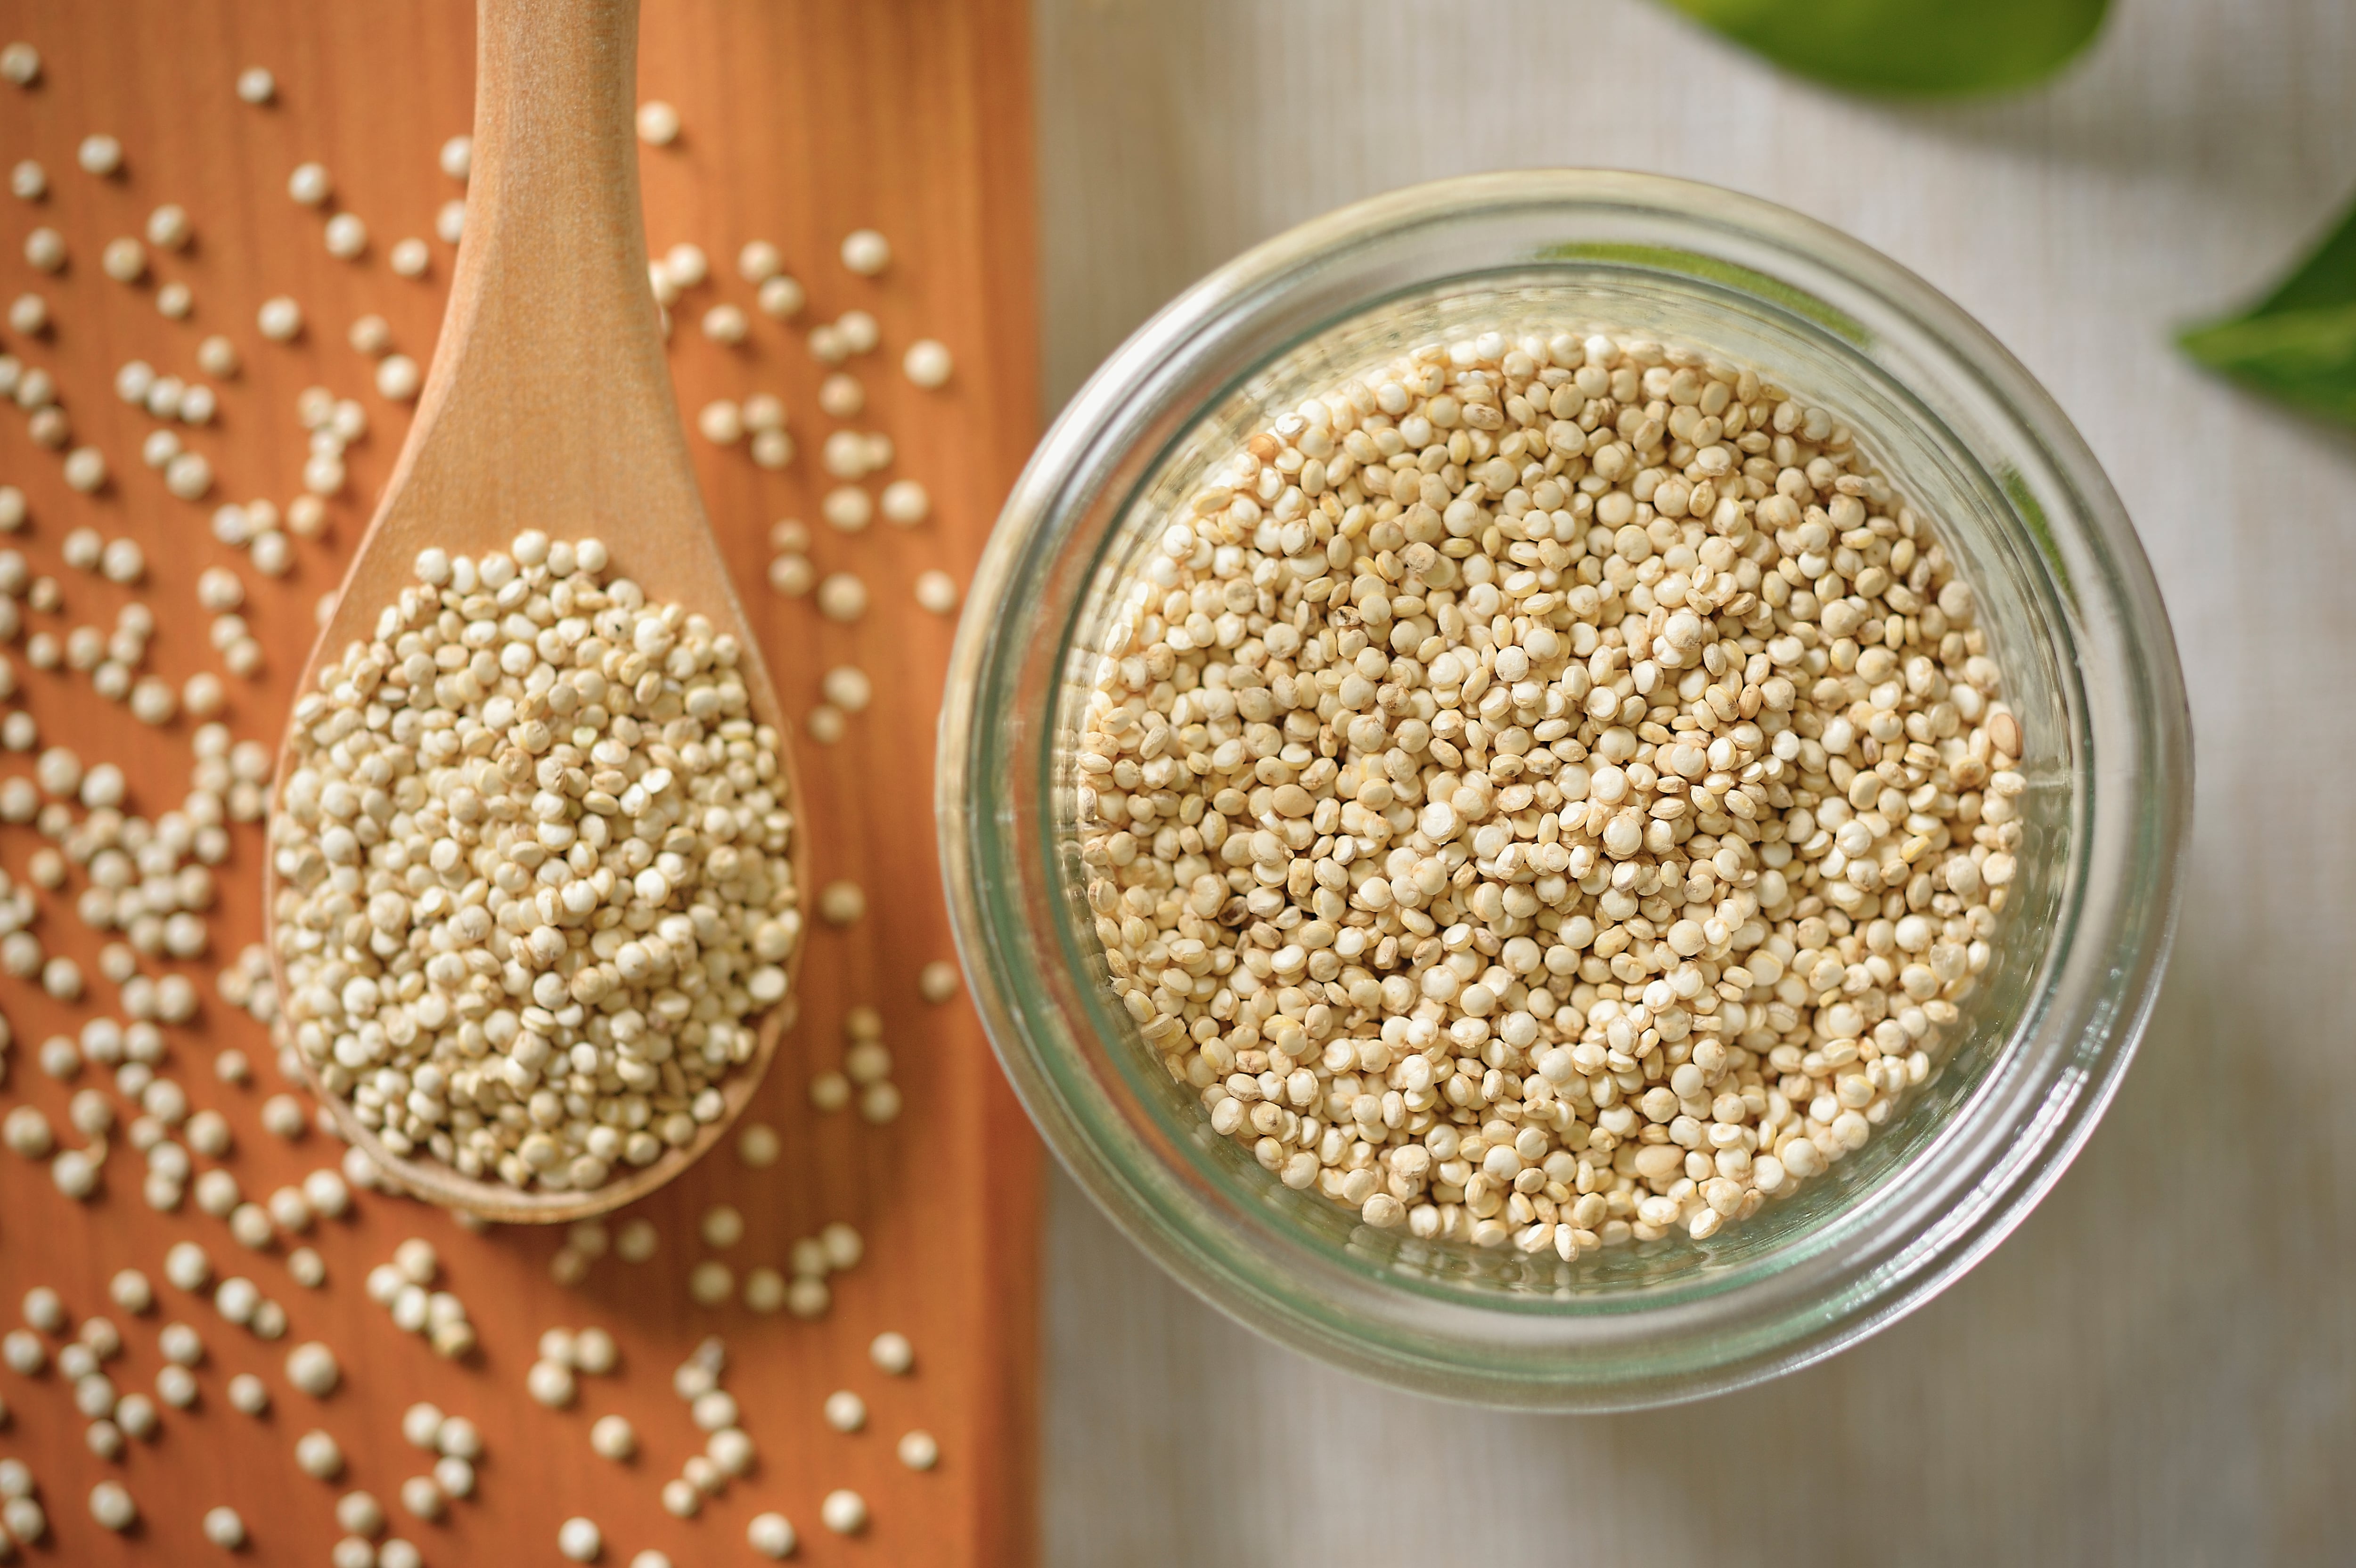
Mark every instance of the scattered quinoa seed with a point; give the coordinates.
(891, 1353)
(841, 902)
(926, 364)
(657, 124)
(937, 590)
(843, 1511)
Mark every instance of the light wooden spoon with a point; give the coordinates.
(549, 406)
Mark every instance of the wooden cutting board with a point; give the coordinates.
(803, 120)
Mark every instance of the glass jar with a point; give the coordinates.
(2065, 594)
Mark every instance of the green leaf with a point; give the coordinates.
(1910, 47)
(2297, 344)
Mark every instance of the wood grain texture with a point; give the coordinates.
(549, 406)
(2161, 1368)
(802, 122)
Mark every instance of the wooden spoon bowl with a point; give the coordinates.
(549, 406)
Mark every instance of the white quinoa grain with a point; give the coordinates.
(100, 154)
(224, 1528)
(919, 1451)
(765, 1290)
(721, 422)
(358, 1513)
(758, 1146)
(781, 298)
(175, 1386)
(21, 64)
(398, 377)
(866, 252)
(311, 1367)
(938, 981)
(846, 507)
(408, 258)
(843, 597)
(185, 1266)
(111, 1507)
(611, 1437)
(841, 396)
(758, 261)
(256, 85)
(44, 1310)
(594, 1352)
(722, 1226)
(135, 1415)
(86, 469)
(711, 1281)
(772, 449)
(23, 1518)
(891, 1353)
(724, 323)
(421, 1425)
(845, 1410)
(124, 259)
(845, 1247)
(843, 1511)
(635, 1241)
(841, 902)
(858, 332)
(132, 1291)
(550, 1383)
(422, 1497)
(905, 503)
(848, 687)
(579, 1539)
(657, 124)
(771, 1535)
(927, 364)
(75, 1173)
(937, 592)
(280, 319)
(317, 1455)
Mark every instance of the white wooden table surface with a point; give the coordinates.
(2160, 1366)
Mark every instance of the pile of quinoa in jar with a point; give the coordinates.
(534, 855)
(1548, 790)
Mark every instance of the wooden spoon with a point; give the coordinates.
(549, 406)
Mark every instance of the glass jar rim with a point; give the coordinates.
(1971, 1183)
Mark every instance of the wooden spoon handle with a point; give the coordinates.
(549, 404)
